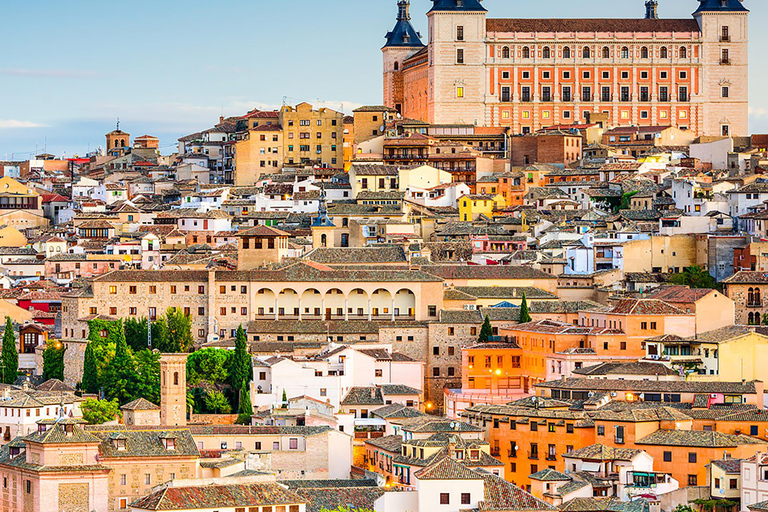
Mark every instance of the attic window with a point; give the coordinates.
(119, 444)
(69, 429)
(474, 454)
(169, 443)
(14, 450)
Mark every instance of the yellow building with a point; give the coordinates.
(11, 237)
(473, 205)
(312, 137)
(349, 141)
(733, 354)
(259, 152)
(422, 177)
(665, 253)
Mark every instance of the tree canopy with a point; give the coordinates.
(525, 315)
(53, 360)
(486, 331)
(97, 412)
(695, 277)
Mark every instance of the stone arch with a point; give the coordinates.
(312, 303)
(335, 301)
(405, 303)
(288, 303)
(381, 303)
(264, 303)
(357, 301)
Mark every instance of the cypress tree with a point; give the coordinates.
(486, 331)
(525, 316)
(90, 382)
(246, 409)
(241, 365)
(121, 371)
(53, 361)
(10, 354)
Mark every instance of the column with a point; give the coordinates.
(369, 311)
(346, 309)
(393, 309)
(276, 310)
(300, 310)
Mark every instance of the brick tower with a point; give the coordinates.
(173, 390)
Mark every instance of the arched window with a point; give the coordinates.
(526, 52)
(324, 240)
(750, 296)
(683, 52)
(644, 52)
(397, 66)
(606, 52)
(625, 52)
(117, 143)
(585, 52)
(122, 143)
(175, 378)
(567, 52)
(663, 53)
(545, 53)
(505, 52)
(757, 296)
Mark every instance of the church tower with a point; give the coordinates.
(322, 226)
(457, 51)
(402, 42)
(724, 26)
(173, 390)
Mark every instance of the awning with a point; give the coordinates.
(591, 466)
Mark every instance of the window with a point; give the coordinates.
(505, 52)
(435, 371)
(132, 290)
(293, 443)
(147, 479)
(693, 480)
(378, 372)
(465, 498)
(625, 52)
(445, 498)
(733, 483)
(664, 53)
(644, 52)
(459, 92)
(683, 52)
(601, 430)
(566, 53)
(526, 52)
(725, 57)
(606, 52)
(585, 53)
(546, 53)
(153, 290)
(124, 479)
(667, 456)
(725, 92)
(725, 35)
(113, 290)
(692, 457)
(460, 33)
(459, 56)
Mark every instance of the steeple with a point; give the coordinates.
(322, 219)
(652, 10)
(404, 34)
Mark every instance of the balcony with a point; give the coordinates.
(512, 454)
(533, 455)
(552, 456)
(755, 304)
(495, 452)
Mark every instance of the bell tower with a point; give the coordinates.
(652, 10)
(725, 65)
(402, 42)
(173, 390)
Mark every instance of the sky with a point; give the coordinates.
(169, 68)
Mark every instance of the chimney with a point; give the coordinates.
(221, 119)
(652, 10)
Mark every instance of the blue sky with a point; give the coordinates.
(171, 67)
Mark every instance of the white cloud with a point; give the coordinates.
(8, 124)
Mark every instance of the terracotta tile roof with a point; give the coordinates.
(485, 272)
(592, 25)
(387, 443)
(732, 466)
(747, 277)
(140, 404)
(602, 452)
(378, 254)
(340, 498)
(504, 292)
(258, 430)
(359, 395)
(697, 438)
(218, 496)
(645, 307)
(728, 333)
(447, 469)
(501, 495)
(56, 435)
(145, 443)
(680, 294)
(635, 368)
(397, 411)
(398, 390)
(641, 386)
(549, 475)
(605, 505)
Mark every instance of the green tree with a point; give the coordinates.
(9, 358)
(161, 335)
(525, 315)
(136, 333)
(486, 331)
(97, 412)
(121, 373)
(625, 199)
(179, 331)
(147, 383)
(216, 402)
(695, 277)
(209, 365)
(53, 360)
(90, 382)
(241, 365)
(765, 318)
(285, 399)
(246, 409)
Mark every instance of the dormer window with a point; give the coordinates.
(474, 454)
(169, 443)
(14, 451)
(119, 444)
(69, 429)
(41, 427)
(460, 454)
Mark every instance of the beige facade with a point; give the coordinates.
(529, 74)
(665, 253)
(312, 137)
(259, 152)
